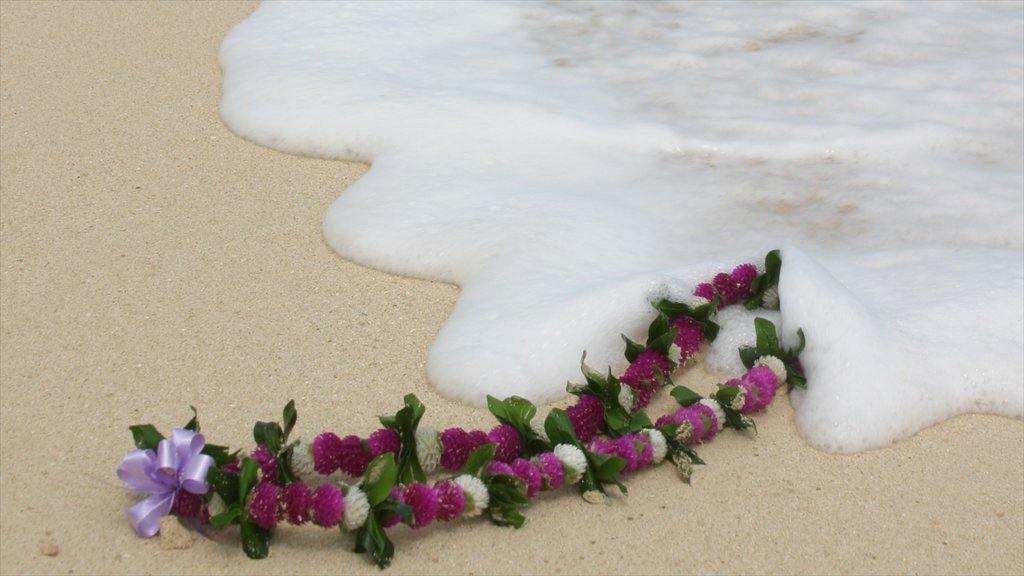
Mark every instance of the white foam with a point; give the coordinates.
(564, 162)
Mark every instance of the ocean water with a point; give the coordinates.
(563, 163)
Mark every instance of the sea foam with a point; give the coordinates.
(564, 163)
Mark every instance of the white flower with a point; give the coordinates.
(770, 298)
(659, 446)
(428, 449)
(475, 492)
(574, 463)
(537, 425)
(675, 353)
(717, 408)
(626, 397)
(302, 461)
(775, 365)
(357, 508)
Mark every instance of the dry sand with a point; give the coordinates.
(152, 260)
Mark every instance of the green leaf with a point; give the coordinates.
(520, 411)
(146, 436)
(767, 339)
(227, 517)
(220, 454)
(497, 408)
(247, 477)
(254, 540)
(559, 428)
(380, 478)
(269, 434)
(632, 348)
(372, 540)
(225, 484)
(478, 459)
(193, 424)
(684, 396)
(289, 417)
(506, 494)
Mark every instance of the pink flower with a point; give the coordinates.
(587, 416)
(424, 503)
(643, 375)
(495, 467)
(743, 276)
(268, 464)
(384, 440)
(550, 469)
(457, 445)
(697, 423)
(529, 473)
(705, 291)
(451, 500)
(187, 504)
(506, 439)
(689, 337)
(331, 453)
(760, 384)
(327, 505)
(625, 448)
(295, 500)
(263, 506)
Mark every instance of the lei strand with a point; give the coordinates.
(364, 486)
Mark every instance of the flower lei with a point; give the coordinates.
(365, 486)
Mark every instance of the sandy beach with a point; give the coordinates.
(151, 260)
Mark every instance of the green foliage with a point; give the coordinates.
(518, 413)
(405, 422)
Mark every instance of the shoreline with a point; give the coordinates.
(152, 260)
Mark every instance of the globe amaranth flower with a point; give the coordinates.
(498, 468)
(423, 501)
(302, 461)
(716, 409)
(268, 464)
(384, 440)
(177, 465)
(550, 470)
(357, 508)
(451, 500)
(688, 339)
(777, 366)
(475, 493)
(457, 445)
(760, 385)
(742, 277)
(586, 416)
(505, 437)
(659, 445)
(263, 510)
(574, 462)
(327, 505)
(428, 449)
(635, 449)
(331, 453)
(529, 473)
(644, 374)
(295, 501)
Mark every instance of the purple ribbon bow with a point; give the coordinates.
(177, 464)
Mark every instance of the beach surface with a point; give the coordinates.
(150, 260)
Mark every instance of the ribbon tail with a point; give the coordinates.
(145, 516)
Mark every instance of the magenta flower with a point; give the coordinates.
(760, 384)
(327, 505)
(457, 445)
(331, 453)
(643, 375)
(697, 422)
(743, 276)
(424, 503)
(178, 464)
(384, 440)
(506, 439)
(495, 467)
(529, 473)
(295, 500)
(587, 416)
(268, 464)
(689, 337)
(263, 505)
(705, 291)
(636, 451)
(450, 499)
(550, 469)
